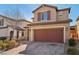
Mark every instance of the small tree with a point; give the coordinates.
(15, 14)
(71, 42)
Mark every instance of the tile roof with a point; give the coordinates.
(9, 18)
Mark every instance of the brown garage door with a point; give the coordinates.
(49, 35)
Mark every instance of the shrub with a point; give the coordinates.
(3, 38)
(4, 45)
(71, 42)
(72, 51)
(12, 42)
(6, 41)
(1, 42)
(7, 44)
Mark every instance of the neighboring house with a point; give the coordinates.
(16, 28)
(50, 24)
(77, 22)
(73, 32)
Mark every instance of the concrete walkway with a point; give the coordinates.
(15, 51)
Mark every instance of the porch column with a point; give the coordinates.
(31, 35)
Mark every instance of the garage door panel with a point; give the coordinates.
(40, 36)
(51, 35)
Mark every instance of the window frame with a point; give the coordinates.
(43, 15)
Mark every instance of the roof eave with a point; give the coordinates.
(44, 5)
(65, 9)
(66, 21)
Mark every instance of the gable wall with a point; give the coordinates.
(42, 9)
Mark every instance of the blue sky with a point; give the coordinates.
(26, 9)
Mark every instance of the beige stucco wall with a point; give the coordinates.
(65, 15)
(9, 22)
(64, 25)
(23, 24)
(54, 14)
(77, 28)
(4, 32)
(42, 9)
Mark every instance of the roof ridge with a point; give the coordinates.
(51, 7)
(44, 5)
(14, 19)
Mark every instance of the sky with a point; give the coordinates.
(26, 10)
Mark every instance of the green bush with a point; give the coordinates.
(71, 42)
(72, 51)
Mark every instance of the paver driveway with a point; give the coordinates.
(43, 48)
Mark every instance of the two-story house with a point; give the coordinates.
(16, 28)
(50, 24)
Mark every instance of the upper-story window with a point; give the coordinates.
(44, 15)
(2, 22)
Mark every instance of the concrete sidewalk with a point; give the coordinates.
(15, 51)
